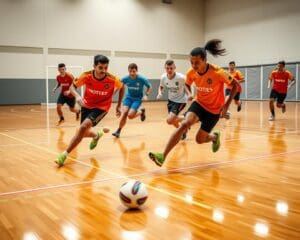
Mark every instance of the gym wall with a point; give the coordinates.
(37, 33)
(254, 32)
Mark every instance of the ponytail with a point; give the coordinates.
(214, 47)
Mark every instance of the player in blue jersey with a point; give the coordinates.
(135, 84)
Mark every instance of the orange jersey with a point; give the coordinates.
(65, 82)
(210, 87)
(98, 93)
(237, 75)
(281, 80)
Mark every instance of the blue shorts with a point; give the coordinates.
(132, 103)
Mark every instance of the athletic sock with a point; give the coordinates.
(97, 137)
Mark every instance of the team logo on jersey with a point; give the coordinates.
(209, 81)
(106, 86)
(176, 83)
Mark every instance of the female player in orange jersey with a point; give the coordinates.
(209, 104)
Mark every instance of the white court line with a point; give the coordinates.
(150, 173)
(20, 144)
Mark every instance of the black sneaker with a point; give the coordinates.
(116, 134)
(283, 109)
(227, 115)
(61, 120)
(184, 135)
(143, 115)
(239, 108)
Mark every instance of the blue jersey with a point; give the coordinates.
(135, 87)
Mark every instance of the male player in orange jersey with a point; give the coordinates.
(236, 74)
(280, 78)
(65, 80)
(210, 103)
(100, 87)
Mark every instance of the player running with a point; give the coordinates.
(210, 103)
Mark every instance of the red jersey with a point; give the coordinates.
(281, 80)
(98, 93)
(237, 75)
(210, 87)
(65, 83)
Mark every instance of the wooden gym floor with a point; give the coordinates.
(250, 189)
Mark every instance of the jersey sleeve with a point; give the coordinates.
(189, 79)
(78, 82)
(224, 76)
(124, 79)
(147, 82)
(271, 77)
(240, 76)
(162, 82)
(118, 83)
(71, 76)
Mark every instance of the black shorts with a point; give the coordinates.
(208, 120)
(62, 99)
(279, 96)
(175, 107)
(236, 97)
(94, 114)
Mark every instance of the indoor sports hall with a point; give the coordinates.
(149, 119)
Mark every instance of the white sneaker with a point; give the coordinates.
(271, 118)
(227, 115)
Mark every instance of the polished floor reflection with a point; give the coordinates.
(250, 189)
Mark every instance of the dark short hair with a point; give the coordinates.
(100, 59)
(169, 62)
(61, 65)
(133, 66)
(232, 62)
(282, 63)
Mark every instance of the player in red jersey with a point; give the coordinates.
(65, 80)
(280, 78)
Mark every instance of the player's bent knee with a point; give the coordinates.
(170, 121)
(279, 105)
(131, 115)
(86, 125)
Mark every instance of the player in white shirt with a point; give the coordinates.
(178, 94)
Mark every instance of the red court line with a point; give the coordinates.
(150, 173)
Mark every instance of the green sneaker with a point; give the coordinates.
(94, 142)
(61, 159)
(216, 144)
(158, 158)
